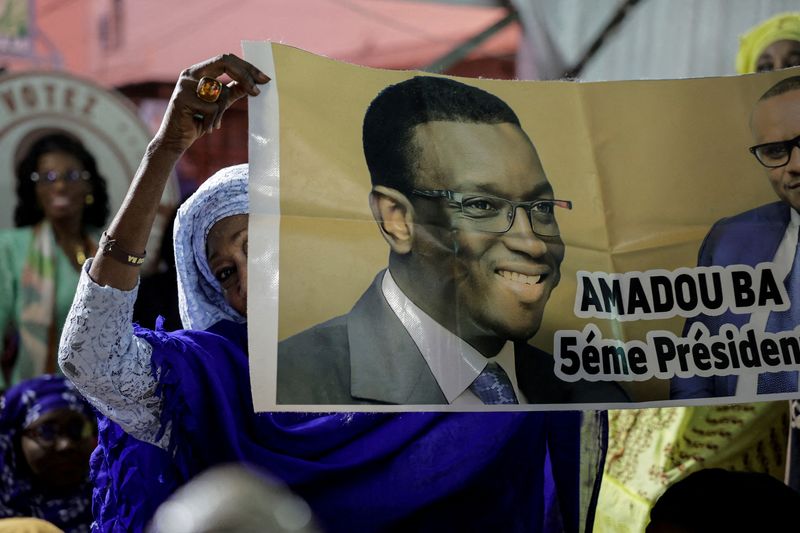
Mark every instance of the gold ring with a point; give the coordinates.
(209, 89)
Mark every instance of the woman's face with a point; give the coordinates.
(57, 446)
(778, 55)
(64, 197)
(226, 249)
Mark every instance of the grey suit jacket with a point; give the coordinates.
(368, 357)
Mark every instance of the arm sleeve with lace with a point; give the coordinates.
(107, 362)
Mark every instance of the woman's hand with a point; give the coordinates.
(188, 116)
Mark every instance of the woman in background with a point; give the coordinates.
(47, 433)
(771, 45)
(61, 205)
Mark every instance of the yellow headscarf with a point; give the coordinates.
(785, 26)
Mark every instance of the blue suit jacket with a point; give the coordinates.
(749, 238)
(368, 357)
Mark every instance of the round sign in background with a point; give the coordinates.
(104, 121)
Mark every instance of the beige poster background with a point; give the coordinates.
(649, 165)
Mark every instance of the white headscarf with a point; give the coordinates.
(200, 297)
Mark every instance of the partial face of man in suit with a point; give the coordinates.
(775, 122)
(463, 248)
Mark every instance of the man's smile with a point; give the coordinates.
(520, 278)
(527, 283)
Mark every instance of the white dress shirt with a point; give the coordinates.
(453, 362)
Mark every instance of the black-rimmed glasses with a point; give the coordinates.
(496, 215)
(51, 176)
(775, 154)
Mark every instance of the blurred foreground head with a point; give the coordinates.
(233, 498)
(720, 500)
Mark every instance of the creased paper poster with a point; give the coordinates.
(424, 242)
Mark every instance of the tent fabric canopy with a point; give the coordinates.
(385, 33)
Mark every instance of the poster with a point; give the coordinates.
(605, 306)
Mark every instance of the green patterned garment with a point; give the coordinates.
(37, 284)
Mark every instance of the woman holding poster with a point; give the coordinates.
(174, 404)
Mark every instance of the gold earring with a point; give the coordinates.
(89, 200)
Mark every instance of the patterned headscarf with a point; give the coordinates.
(21, 406)
(785, 26)
(200, 299)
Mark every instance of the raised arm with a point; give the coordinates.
(98, 350)
(188, 118)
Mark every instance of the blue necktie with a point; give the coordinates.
(774, 382)
(492, 386)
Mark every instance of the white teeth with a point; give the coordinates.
(519, 278)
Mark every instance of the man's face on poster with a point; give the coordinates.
(499, 281)
(778, 119)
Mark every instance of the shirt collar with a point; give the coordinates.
(452, 361)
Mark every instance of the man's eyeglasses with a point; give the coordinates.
(496, 215)
(70, 176)
(47, 434)
(775, 154)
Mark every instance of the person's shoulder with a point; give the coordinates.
(775, 212)
(314, 365)
(14, 246)
(321, 348)
(328, 336)
(13, 237)
(223, 334)
(762, 226)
